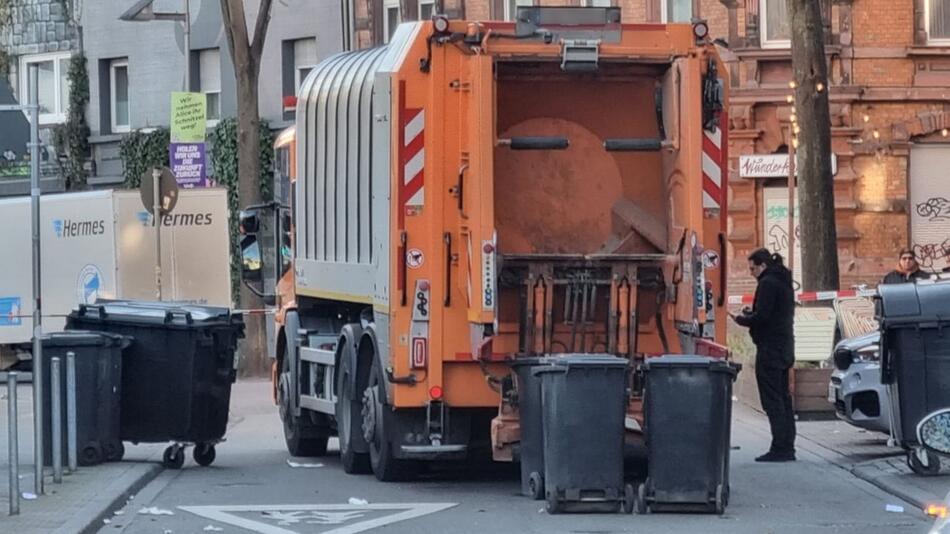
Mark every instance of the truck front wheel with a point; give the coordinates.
(303, 438)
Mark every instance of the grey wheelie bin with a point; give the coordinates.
(531, 448)
(176, 374)
(687, 414)
(915, 361)
(584, 400)
(98, 389)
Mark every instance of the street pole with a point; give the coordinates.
(791, 200)
(187, 46)
(14, 443)
(56, 421)
(38, 452)
(157, 219)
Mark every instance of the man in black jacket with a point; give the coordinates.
(907, 269)
(770, 323)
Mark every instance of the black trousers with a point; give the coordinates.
(777, 403)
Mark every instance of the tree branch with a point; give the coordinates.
(260, 30)
(228, 24)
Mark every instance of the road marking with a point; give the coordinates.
(286, 515)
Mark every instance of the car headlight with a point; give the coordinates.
(870, 353)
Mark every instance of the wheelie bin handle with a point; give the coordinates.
(171, 314)
(85, 309)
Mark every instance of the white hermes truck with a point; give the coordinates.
(101, 244)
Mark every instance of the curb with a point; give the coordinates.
(885, 482)
(89, 519)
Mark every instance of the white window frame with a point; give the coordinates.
(201, 76)
(424, 3)
(58, 116)
(298, 66)
(664, 10)
(387, 5)
(939, 41)
(509, 14)
(764, 29)
(115, 63)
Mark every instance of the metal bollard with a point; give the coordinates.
(71, 445)
(14, 444)
(56, 407)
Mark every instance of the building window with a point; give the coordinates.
(391, 18)
(938, 21)
(426, 9)
(305, 59)
(676, 11)
(209, 79)
(511, 7)
(598, 3)
(774, 21)
(119, 95)
(53, 85)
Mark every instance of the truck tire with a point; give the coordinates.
(385, 465)
(303, 438)
(349, 424)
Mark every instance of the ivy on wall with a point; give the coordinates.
(71, 139)
(140, 151)
(223, 154)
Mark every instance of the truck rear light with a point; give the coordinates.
(435, 393)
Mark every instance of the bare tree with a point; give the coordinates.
(246, 51)
(819, 239)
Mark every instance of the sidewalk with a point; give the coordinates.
(866, 455)
(85, 497)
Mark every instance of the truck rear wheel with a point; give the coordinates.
(349, 428)
(386, 466)
(303, 438)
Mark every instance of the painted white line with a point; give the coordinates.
(288, 514)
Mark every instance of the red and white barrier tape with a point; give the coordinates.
(812, 296)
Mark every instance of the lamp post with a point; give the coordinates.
(143, 11)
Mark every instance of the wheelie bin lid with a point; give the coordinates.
(680, 360)
(566, 362)
(920, 304)
(165, 313)
(84, 338)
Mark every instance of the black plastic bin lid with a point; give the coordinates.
(566, 362)
(80, 338)
(164, 313)
(913, 304)
(685, 360)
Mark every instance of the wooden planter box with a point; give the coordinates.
(810, 392)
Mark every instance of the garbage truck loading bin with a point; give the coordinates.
(476, 192)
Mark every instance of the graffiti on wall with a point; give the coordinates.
(932, 248)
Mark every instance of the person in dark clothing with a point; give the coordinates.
(770, 323)
(907, 269)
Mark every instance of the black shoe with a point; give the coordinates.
(776, 457)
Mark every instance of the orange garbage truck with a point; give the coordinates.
(476, 192)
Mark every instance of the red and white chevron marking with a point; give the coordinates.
(412, 157)
(714, 167)
(812, 296)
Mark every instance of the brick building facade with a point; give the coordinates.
(889, 83)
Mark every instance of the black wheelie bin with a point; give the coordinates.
(176, 374)
(915, 361)
(531, 447)
(687, 418)
(584, 401)
(98, 390)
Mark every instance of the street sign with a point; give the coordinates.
(167, 186)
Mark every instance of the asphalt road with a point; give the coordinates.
(251, 488)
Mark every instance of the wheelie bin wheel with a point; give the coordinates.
(173, 457)
(204, 454)
(640, 505)
(720, 500)
(916, 459)
(536, 485)
(629, 499)
(553, 505)
(90, 455)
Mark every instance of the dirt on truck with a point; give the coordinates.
(477, 192)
